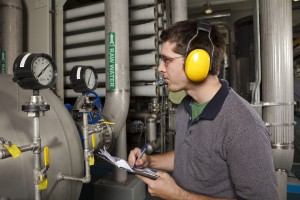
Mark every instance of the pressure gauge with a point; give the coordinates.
(34, 71)
(84, 78)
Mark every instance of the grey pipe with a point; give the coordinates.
(256, 90)
(117, 72)
(11, 34)
(37, 156)
(120, 175)
(277, 80)
(5, 154)
(178, 10)
(86, 152)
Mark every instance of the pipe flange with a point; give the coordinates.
(283, 145)
(268, 124)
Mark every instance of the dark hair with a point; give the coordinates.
(182, 32)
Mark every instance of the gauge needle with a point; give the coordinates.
(89, 78)
(43, 70)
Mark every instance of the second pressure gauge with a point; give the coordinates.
(34, 71)
(84, 79)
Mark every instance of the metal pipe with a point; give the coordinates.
(86, 152)
(256, 90)
(11, 34)
(85, 11)
(37, 156)
(120, 175)
(84, 24)
(277, 79)
(117, 68)
(5, 154)
(178, 10)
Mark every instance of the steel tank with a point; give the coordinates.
(11, 35)
(57, 131)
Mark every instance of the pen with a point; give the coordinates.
(141, 155)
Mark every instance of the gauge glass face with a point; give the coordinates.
(89, 78)
(42, 70)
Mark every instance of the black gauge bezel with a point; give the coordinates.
(23, 71)
(78, 83)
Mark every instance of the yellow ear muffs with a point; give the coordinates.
(197, 65)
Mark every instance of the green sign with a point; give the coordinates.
(112, 60)
(3, 62)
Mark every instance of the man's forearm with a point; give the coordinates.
(162, 161)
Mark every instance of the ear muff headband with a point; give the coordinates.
(198, 61)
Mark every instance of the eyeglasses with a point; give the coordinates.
(168, 60)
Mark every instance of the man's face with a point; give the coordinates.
(172, 67)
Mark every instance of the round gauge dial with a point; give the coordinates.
(42, 70)
(90, 78)
(34, 71)
(83, 78)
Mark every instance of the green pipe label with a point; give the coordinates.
(112, 60)
(3, 62)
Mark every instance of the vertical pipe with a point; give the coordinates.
(86, 147)
(117, 68)
(11, 34)
(178, 10)
(256, 90)
(121, 151)
(277, 80)
(37, 158)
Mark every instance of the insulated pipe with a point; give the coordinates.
(117, 69)
(10, 33)
(85, 37)
(145, 29)
(144, 59)
(142, 2)
(85, 51)
(85, 11)
(84, 24)
(146, 13)
(144, 44)
(178, 10)
(277, 80)
(96, 63)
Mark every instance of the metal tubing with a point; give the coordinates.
(117, 98)
(256, 90)
(178, 10)
(277, 78)
(5, 154)
(86, 152)
(84, 24)
(87, 177)
(120, 175)
(37, 156)
(85, 51)
(85, 11)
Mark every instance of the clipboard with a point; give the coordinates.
(122, 164)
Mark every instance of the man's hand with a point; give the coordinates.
(164, 186)
(132, 158)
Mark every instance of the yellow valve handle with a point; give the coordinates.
(93, 140)
(13, 150)
(91, 160)
(46, 157)
(43, 183)
(111, 123)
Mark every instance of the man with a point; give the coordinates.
(222, 147)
